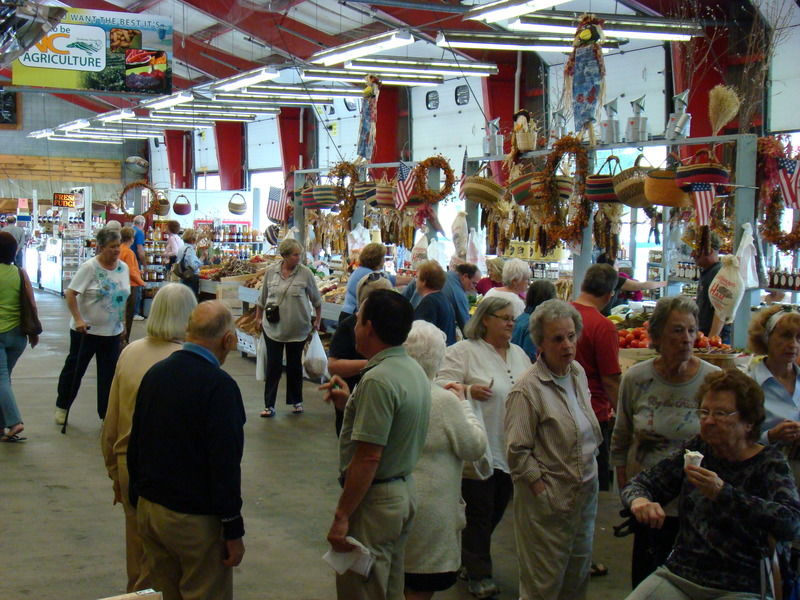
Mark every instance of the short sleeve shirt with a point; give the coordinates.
(138, 240)
(102, 294)
(390, 407)
(598, 354)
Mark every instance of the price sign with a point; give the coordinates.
(64, 200)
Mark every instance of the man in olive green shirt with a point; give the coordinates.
(384, 429)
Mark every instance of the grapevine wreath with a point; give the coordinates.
(770, 227)
(770, 149)
(570, 232)
(421, 189)
(154, 196)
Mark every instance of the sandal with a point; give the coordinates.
(267, 413)
(298, 409)
(12, 439)
(598, 570)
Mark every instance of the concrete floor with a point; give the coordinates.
(62, 539)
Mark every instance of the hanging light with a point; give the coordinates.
(73, 125)
(244, 80)
(116, 115)
(370, 45)
(498, 40)
(502, 10)
(353, 76)
(167, 101)
(385, 65)
(618, 26)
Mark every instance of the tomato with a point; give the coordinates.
(702, 342)
(715, 341)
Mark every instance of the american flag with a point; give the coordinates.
(461, 194)
(277, 203)
(789, 179)
(703, 196)
(405, 186)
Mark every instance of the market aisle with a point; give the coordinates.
(62, 538)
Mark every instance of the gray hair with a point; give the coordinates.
(170, 312)
(106, 236)
(552, 310)
(138, 220)
(475, 329)
(514, 270)
(113, 225)
(426, 345)
(209, 321)
(289, 246)
(11, 219)
(664, 307)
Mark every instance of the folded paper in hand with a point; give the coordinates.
(359, 559)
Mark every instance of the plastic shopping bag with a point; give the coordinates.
(727, 289)
(459, 232)
(747, 257)
(437, 252)
(357, 239)
(476, 252)
(315, 361)
(419, 253)
(261, 359)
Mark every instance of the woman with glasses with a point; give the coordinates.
(738, 495)
(370, 261)
(656, 414)
(553, 436)
(488, 365)
(516, 275)
(775, 333)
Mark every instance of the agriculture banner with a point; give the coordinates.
(103, 51)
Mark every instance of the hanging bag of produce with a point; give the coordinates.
(629, 184)
(237, 204)
(600, 187)
(315, 361)
(727, 289)
(181, 206)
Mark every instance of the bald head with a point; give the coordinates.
(209, 321)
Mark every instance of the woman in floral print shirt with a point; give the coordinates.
(742, 494)
(96, 299)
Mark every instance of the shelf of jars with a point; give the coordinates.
(155, 271)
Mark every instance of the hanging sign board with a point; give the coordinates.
(64, 200)
(102, 51)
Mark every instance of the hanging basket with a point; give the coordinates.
(629, 185)
(526, 140)
(181, 206)
(384, 194)
(483, 190)
(565, 185)
(525, 188)
(160, 205)
(694, 171)
(237, 204)
(365, 191)
(307, 196)
(326, 196)
(600, 187)
(660, 188)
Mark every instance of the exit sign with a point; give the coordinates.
(64, 200)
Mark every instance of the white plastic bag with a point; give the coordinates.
(419, 253)
(261, 358)
(476, 252)
(315, 362)
(357, 239)
(747, 257)
(727, 289)
(438, 252)
(459, 232)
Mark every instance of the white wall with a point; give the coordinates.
(205, 151)
(337, 136)
(263, 148)
(785, 76)
(159, 167)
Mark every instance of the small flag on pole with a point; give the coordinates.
(461, 194)
(277, 203)
(789, 180)
(406, 179)
(703, 197)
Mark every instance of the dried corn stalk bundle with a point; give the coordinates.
(607, 225)
(564, 289)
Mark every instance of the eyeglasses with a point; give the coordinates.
(375, 275)
(704, 413)
(503, 318)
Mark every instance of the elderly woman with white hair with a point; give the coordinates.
(516, 275)
(487, 365)
(284, 310)
(552, 437)
(433, 550)
(166, 328)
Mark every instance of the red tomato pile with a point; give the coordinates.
(634, 338)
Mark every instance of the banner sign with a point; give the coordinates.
(101, 51)
(64, 200)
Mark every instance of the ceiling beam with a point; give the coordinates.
(207, 58)
(285, 35)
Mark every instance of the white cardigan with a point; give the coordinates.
(454, 435)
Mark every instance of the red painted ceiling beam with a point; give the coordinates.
(274, 29)
(207, 58)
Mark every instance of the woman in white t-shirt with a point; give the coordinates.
(96, 299)
(516, 275)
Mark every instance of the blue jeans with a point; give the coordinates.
(12, 345)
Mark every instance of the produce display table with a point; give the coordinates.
(208, 287)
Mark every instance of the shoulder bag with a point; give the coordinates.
(272, 311)
(29, 317)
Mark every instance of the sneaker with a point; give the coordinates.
(462, 574)
(298, 409)
(61, 416)
(483, 588)
(138, 318)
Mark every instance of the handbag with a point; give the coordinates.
(599, 187)
(29, 322)
(272, 311)
(238, 206)
(181, 208)
(629, 185)
(693, 171)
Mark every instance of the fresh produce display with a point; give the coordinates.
(639, 337)
(231, 267)
(634, 338)
(248, 323)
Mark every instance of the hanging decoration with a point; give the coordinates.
(772, 153)
(367, 129)
(565, 221)
(159, 205)
(345, 176)
(584, 75)
(770, 226)
(607, 225)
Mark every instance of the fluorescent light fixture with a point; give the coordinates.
(302, 91)
(209, 116)
(270, 100)
(496, 40)
(175, 123)
(502, 10)
(132, 134)
(167, 101)
(352, 76)
(41, 133)
(618, 26)
(85, 140)
(421, 66)
(370, 45)
(117, 115)
(73, 125)
(237, 82)
(254, 107)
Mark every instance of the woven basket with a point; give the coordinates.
(182, 207)
(237, 204)
(482, 190)
(326, 196)
(384, 195)
(526, 140)
(629, 185)
(564, 186)
(600, 187)
(693, 171)
(522, 188)
(161, 206)
(307, 197)
(365, 191)
(660, 189)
